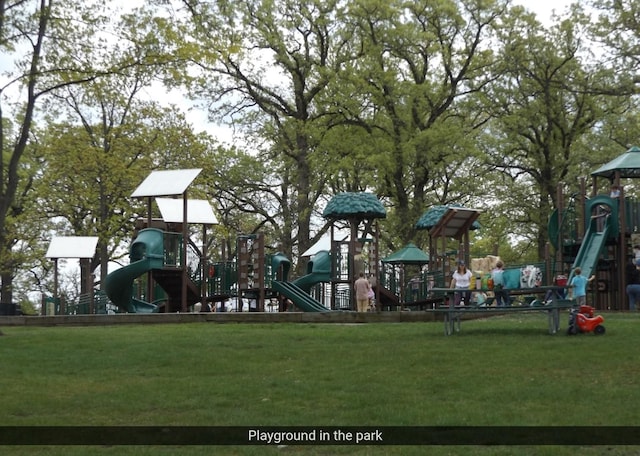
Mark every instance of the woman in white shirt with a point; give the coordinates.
(461, 280)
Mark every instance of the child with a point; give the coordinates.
(501, 293)
(579, 286)
(615, 192)
(480, 298)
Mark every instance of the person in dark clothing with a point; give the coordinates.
(633, 284)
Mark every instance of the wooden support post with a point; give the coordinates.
(185, 246)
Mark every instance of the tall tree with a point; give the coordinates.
(265, 66)
(32, 34)
(92, 169)
(541, 107)
(616, 26)
(421, 62)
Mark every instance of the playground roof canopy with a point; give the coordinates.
(350, 204)
(198, 211)
(453, 216)
(72, 247)
(627, 164)
(324, 243)
(409, 254)
(166, 183)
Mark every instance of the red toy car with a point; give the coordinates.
(582, 320)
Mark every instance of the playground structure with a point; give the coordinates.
(169, 272)
(162, 251)
(161, 278)
(597, 232)
(403, 281)
(74, 247)
(360, 253)
(444, 223)
(261, 279)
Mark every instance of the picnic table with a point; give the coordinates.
(453, 315)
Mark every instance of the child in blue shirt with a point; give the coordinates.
(579, 286)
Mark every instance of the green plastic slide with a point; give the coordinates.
(146, 253)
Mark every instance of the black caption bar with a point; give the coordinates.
(349, 435)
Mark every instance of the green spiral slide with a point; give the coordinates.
(146, 254)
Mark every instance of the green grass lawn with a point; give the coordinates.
(503, 371)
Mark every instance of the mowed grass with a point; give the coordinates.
(501, 371)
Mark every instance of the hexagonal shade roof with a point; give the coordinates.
(409, 254)
(628, 164)
(359, 205)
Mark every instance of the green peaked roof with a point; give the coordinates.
(360, 205)
(431, 218)
(409, 254)
(628, 164)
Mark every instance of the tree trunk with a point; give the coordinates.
(6, 294)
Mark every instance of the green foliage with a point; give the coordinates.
(28, 308)
(48, 49)
(92, 170)
(423, 103)
(538, 120)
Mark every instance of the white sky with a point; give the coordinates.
(545, 8)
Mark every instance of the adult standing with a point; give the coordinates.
(362, 287)
(461, 279)
(633, 284)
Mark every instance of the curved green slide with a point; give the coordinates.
(319, 270)
(146, 253)
(298, 296)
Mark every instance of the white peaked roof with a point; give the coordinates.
(166, 183)
(198, 211)
(72, 247)
(324, 243)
